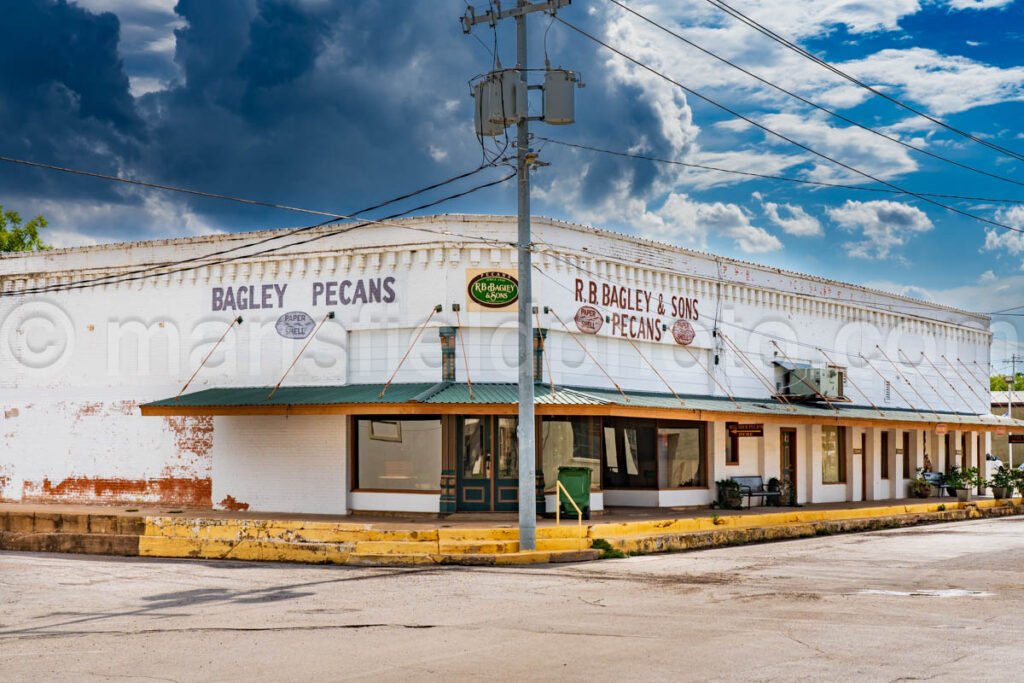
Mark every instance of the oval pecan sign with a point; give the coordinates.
(588, 320)
(683, 333)
(295, 325)
(494, 290)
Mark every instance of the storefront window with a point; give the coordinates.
(907, 474)
(732, 444)
(571, 442)
(508, 447)
(631, 455)
(682, 449)
(399, 455)
(833, 451)
(476, 461)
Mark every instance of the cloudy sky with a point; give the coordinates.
(336, 104)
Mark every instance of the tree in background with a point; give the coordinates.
(17, 237)
(999, 383)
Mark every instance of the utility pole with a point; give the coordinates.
(524, 159)
(1014, 359)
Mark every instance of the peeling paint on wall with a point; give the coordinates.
(103, 452)
(229, 503)
(5, 481)
(171, 491)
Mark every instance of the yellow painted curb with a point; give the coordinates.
(345, 543)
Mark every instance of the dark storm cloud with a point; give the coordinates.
(326, 104)
(332, 105)
(64, 95)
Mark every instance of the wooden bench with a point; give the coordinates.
(753, 487)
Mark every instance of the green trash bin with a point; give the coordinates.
(576, 481)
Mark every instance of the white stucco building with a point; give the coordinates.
(661, 369)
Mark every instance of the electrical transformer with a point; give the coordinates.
(559, 98)
(482, 98)
(497, 100)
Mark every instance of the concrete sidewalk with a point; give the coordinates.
(458, 539)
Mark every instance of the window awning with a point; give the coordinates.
(501, 398)
(791, 365)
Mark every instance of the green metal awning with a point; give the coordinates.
(447, 397)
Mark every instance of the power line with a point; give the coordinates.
(782, 136)
(135, 275)
(736, 14)
(810, 103)
(289, 233)
(158, 186)
(819, 298)
(768, 176)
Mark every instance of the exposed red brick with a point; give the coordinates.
(192, 434)
(124, 407)
(167, 491)
(89, 409)
(229, 503)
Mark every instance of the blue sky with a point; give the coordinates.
(332, 105)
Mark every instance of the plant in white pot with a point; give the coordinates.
(963, 480)
(1002, 482)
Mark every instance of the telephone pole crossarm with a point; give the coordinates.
(492, 17)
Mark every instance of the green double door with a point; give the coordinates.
(488, 460)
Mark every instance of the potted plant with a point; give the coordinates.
(920, 487)
(775, 486)
(729, 495)
(1003, 482)
(962, 481)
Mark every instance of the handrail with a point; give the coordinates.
(559, 488)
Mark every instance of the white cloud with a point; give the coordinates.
(737, 42)
(1007, 241)
(949, 83)
(1007, 333)
(853, 146)
(147, 40)
(668, 102)
(680, 215)
(759, 161)
(143, 85)
(72, 223)
(987, 276)
(884, 225)
(810, 17)
(793, 220)
(946, 84)
(62, 239)
(679, 219)
(438, 154)
(978, 4)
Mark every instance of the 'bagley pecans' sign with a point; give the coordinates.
(638, 313)
(367, 290)
(247, 297)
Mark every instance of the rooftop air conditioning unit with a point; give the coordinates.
(812, 383)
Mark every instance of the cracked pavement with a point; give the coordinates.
(930, 603)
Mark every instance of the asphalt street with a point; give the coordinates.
(930, 603)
